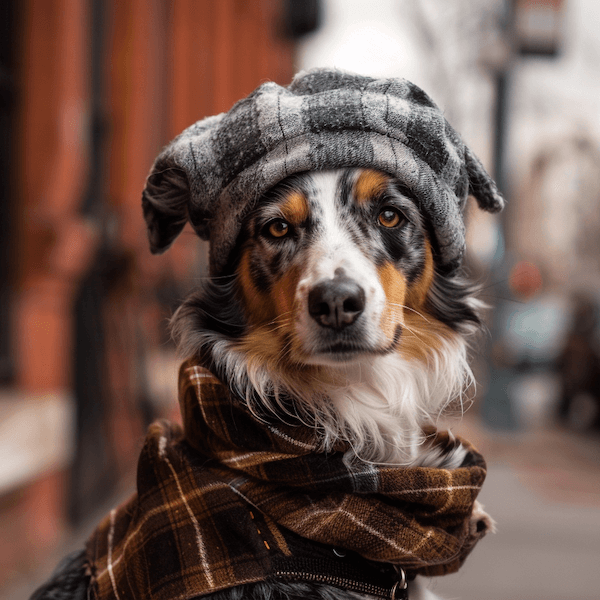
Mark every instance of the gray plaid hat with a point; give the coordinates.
(216, 171)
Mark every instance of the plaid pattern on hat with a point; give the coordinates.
(232, 500)
(214, 172)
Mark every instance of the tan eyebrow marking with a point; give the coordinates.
(295, 208)
(369, 184)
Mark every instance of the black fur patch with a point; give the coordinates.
(216, 308)
(448, 301)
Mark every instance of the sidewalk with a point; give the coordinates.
(543, 489)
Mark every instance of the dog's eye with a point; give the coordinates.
(277, 228)
(390, 217)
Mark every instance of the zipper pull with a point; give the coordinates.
(400, 588)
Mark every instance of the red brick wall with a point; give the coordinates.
(166, 65)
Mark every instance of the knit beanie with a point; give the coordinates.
(215, 172)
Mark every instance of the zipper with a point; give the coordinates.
(397, 592)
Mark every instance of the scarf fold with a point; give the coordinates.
(231, 500)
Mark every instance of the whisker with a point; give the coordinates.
(411, 309)
(413, 332)
(278, 327)
(282, 316)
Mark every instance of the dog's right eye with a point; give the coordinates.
(390, 217)
(277, 228)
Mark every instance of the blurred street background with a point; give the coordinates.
(90, 90)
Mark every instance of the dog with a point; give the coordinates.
(331, 335)
(334, 294)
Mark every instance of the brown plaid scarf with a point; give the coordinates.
(232, 500)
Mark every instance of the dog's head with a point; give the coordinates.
(335, 260)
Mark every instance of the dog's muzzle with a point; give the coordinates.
(336, 303)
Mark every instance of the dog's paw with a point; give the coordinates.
(480, 522)
(440, 450)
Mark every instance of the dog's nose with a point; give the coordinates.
(336, 302)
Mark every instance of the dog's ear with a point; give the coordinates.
(481, 186)
(176, 190)
(166, 204)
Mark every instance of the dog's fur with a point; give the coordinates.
(332, 298)
(372, 382)
(332, 311)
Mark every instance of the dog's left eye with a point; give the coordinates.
(390, 217)
(277, 228)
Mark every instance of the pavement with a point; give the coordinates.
(543, 490)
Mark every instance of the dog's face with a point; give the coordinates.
(334, 266)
